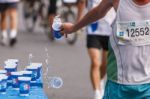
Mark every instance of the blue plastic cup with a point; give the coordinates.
(16, 61)
(9, 69)
(94, 26)
(14, 77)
(27, 73)
(24, 85)
(34, 70)
(39, 72)
(11, 63)
(3, 72)
(3, 83)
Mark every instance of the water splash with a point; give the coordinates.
(47, 67)
(47, 61)
(46, 49)
(55, 82)
(30, 58)
(52, 82)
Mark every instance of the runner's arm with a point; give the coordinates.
(80, 7)
(93, 15)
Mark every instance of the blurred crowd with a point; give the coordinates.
(8, 8)
(33, 11)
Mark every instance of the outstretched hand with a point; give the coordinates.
(67, 28)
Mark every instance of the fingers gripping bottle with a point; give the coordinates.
(57, 24)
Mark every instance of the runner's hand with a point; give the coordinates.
(67, 28)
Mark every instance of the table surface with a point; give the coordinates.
(35, 93)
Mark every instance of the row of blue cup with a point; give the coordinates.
(19, 80)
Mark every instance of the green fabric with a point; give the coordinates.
(114, 90)
(111, 64)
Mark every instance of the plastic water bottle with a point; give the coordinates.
(57, 23)
(56, 82)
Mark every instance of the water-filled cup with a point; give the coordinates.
(14, 77)
(3, 83)
(24, 85)
(34, 70)
(27, 73)
(39, 72)
(3, 72)
(14, 61)
(9, 69)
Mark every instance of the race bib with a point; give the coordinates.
(136, 33)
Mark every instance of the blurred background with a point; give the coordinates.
(67, 58)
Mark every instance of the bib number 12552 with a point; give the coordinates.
(135, 33)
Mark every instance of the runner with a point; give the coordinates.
(128, 64)
(9, 8)
(52, 12)
(97, 42)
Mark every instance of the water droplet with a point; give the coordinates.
(30, 58)
(46, 49)
(56, 82)
(46, 61)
